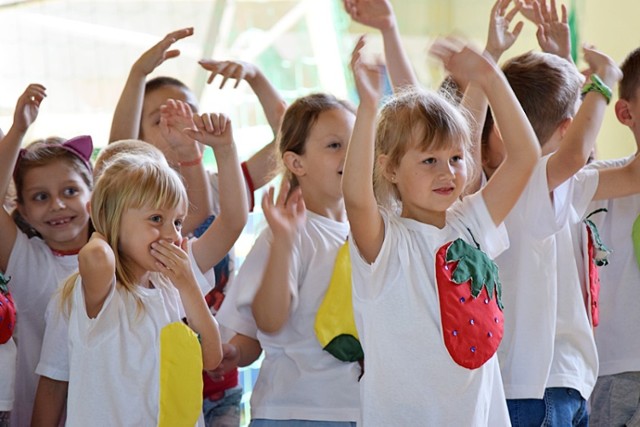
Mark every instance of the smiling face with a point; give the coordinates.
(54, 202)
(141, 227)
(150, 120)
(319, 168)
(429, 182)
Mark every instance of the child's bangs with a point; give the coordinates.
(157, 188)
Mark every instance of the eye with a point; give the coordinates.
(178, 224)
(456, 159)
(429, 161)
(70, 191)
(156, 219)
(39, 197)
(334, 145)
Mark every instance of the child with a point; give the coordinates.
(421, 147)
(286, 274)
(615, 398)
(53, 184)
(53, 367)
(154, 209)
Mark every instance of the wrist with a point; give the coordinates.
(597, 85)
(194, 161)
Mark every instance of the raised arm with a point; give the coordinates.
(25, 114)
(174, 118)
(174, 263)
(580, 138)
(272, 302)
(553, 32)
(126, 117)
(97, 267)
(521, 145)
(500, 38)
(379, 14)
(365, 219)
(215, 131)
(262, 164)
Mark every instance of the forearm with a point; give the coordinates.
(248, 348)
(233, 198)
(272, 301)
(475, 102)
(398, 64)
(202, 322)
(128, 112)
(50, 400)
(199, 194)
(270, 99)
(9, 150)
(261, 165)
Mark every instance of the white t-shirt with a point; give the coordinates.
(528, 271)
(575, 359)
(297, 379)
(114, 359)
(618, 344)
(409, 377)
(54, 357)
(35, 275)
(7, 374)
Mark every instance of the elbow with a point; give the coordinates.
(267, 323)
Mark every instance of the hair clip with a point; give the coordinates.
(80, 146)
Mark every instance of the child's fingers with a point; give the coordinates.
(171, 53)
(563, 10)
(554, 11)
(180, 34)
(207, 124)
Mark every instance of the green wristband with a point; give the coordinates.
(597, 85)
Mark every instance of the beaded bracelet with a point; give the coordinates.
(597, 85)
(193, 162)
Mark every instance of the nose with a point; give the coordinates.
(171, 233)
(446, 170)
(57, 203)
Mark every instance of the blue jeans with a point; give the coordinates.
(560, 407)
(223, 412)
(299, 423)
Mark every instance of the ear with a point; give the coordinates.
(388, 171)
(564, 125)
(623, 112)
(294, 163)
(89, 207)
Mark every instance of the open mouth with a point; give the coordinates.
(445, 191)
(59, 221)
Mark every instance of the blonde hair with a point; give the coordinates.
(129, 181)
(127, 146)
(297, 122)
(416, 118)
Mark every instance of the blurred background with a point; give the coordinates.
(82, 50)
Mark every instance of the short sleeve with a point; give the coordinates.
(54, 356)
(206, 280)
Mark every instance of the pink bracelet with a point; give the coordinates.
(194, 162)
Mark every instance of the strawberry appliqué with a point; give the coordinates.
(470, 303)
(7, 311)
(597, 254)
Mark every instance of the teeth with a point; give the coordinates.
(60, 221)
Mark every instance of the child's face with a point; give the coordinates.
(139, 228)
(150, 121)
(325, 150)
(429, 182)
(55, 201)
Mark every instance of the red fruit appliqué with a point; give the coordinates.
(597, 254)
(470, 303)
(7, 311)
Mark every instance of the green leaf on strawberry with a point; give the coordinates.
(3, 284)
(475, 265)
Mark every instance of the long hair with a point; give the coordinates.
(129, 181)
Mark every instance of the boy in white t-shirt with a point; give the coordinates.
(615, 398)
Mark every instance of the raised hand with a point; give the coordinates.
(500, 38)
(373, 13)
(28, 106)
(553, 32)
(161, 51)
(602, 65)
(175, 117)
(212, 129)
(368, 78)
(463, 62)
(236, 70)
(286, 215)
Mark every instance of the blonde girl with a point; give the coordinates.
(429, 333)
